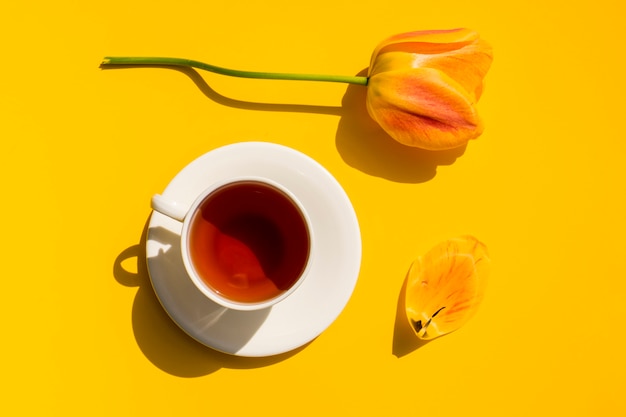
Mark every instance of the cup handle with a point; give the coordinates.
(168, 207)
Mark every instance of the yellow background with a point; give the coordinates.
(83, 150)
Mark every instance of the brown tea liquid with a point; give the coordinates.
(249, 242)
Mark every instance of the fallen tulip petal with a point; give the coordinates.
(446, 286)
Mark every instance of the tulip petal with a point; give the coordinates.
(423, 87)
(427, 41)
(424, 108)
(467, 65)
(446, 286)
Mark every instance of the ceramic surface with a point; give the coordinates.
(335, 256)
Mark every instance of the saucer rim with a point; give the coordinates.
(348, 283)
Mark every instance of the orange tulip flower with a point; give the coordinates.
(445, 287)
(423, 87)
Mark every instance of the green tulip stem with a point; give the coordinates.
(130, 61)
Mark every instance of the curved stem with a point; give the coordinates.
(233, 73)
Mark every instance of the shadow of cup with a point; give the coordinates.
(159, 338)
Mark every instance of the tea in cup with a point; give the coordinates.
(245, 242)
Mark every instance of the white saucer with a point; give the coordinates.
(336, 254)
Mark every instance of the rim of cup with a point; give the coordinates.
(203, 287)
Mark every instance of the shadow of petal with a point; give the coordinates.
(404, 339)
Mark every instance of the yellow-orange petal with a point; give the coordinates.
(445, 287)
(467, 65)
(426, 41)
(424, 108)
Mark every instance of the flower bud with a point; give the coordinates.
(423, 87)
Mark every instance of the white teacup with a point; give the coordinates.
(245, 242)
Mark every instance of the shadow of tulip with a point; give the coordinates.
(161, 341)
(364, 145)
(213, 95)
(360, 141)
(404, 339)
